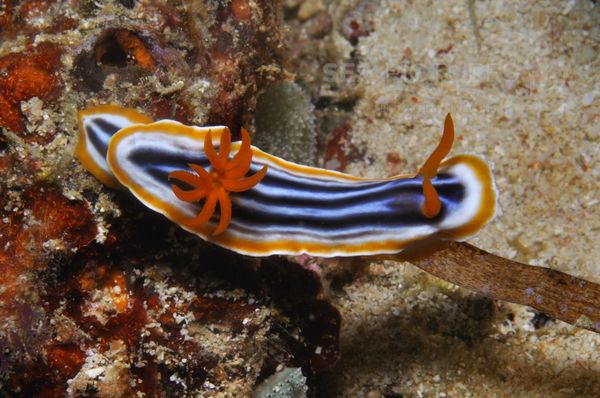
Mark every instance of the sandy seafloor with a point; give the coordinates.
(524, 91)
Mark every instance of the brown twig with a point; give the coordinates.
(562, 296)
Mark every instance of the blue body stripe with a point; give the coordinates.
(284, 201)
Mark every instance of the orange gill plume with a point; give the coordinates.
(225, 176)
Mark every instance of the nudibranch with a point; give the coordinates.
(271, 206)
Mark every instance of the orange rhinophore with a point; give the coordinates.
(432, 205)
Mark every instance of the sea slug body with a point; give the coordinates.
(268, 205)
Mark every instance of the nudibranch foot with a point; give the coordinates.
(97, 125)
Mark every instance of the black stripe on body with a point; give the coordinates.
(99, 132)
(312, 205)
(276, 177)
